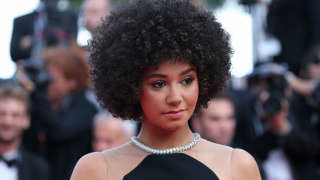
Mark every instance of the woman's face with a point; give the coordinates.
(169, 95)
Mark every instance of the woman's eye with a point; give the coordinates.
(187, 81)
(158, 84)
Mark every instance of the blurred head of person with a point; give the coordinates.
(110, 132)
(14, 117)
(310, 66)
(217, 122)
(69, 72)
(265, 77)
(94, 11)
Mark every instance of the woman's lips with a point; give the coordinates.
(174, 114)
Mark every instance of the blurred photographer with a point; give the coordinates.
(284, 151)
(250, 122)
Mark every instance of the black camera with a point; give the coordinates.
(270, 77)
(273, 104)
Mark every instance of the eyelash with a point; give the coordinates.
(158, 84)
(161, 83)
(187, 81)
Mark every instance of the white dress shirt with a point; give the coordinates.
(6, 172)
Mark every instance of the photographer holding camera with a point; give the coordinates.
(284, 150)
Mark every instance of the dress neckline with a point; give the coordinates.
(176, 165)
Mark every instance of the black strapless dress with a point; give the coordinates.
(177, 166)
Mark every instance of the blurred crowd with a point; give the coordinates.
(49, 116)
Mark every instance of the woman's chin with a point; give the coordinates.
(173, 126)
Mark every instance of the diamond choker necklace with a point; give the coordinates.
(166, 151)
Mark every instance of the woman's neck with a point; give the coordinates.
(163, 139)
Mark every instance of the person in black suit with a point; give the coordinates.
(15, 162)
(45, 26)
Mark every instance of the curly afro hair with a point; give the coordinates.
(144, 33)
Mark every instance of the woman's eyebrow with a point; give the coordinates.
(156, 76)
(163, 75)
(187, 71)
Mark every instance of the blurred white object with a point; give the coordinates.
(238, 23)
(9, 11)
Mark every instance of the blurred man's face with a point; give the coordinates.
(218, 121)
(94, 11)
(13, 119)
(108, 134)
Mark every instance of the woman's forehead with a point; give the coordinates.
(170, 65)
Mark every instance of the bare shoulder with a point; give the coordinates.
(110, 164)
(215, 156)
(91, 166)
(243, 166)
(227, 162)
(221, 151)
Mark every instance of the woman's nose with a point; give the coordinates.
(174, 97)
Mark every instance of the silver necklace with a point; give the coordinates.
(166, 151)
